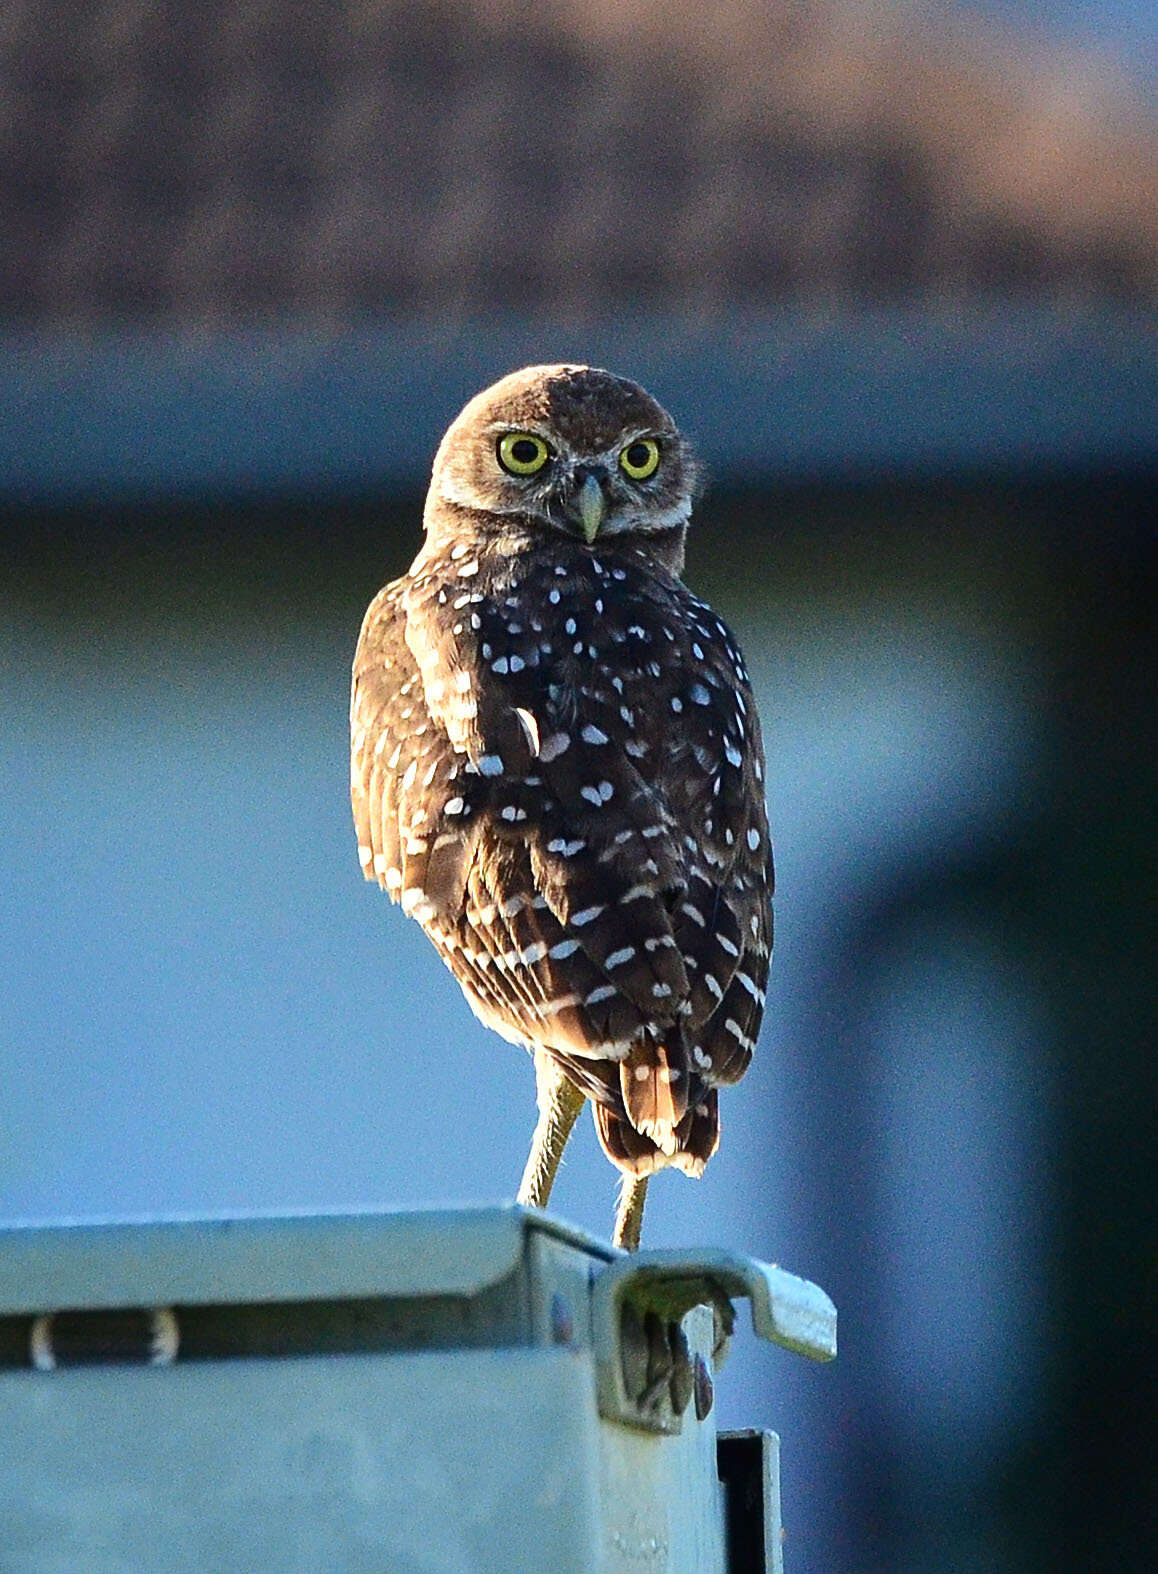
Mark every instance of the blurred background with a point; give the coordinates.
(893, 266)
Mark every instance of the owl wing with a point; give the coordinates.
(561, 783)
(569, 820)
(416, 831)
(478, 824)
(714, 776)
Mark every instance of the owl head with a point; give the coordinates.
(574, 450)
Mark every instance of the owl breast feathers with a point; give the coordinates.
(557, 765)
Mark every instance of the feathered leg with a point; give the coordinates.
(559, 1104)
(629, 1214)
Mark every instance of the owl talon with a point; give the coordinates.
(681, 1384)
(660, 1363)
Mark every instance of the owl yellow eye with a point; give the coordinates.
(522, 453)
(640, 459)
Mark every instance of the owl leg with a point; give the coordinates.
(559, 1104)
(629, 1214)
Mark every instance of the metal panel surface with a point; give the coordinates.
(456, 1463)
(377, 1391)
(661, 1498)
(308, 1256)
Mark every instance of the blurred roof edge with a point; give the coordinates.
(779, 397)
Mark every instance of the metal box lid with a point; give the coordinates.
(159, 1290)
(245, 1258)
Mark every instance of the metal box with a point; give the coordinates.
(439, 1391)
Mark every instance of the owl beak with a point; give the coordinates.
(590, 505)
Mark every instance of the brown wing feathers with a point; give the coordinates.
(554, 775)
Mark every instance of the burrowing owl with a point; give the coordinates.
(557, 770)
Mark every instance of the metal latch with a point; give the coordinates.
(639, 1301)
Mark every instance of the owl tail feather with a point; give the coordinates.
(656, 1127)
(697, 1138)
(654, 1085)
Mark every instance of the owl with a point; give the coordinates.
(557, 770)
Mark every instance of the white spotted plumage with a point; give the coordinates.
(564, 787)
